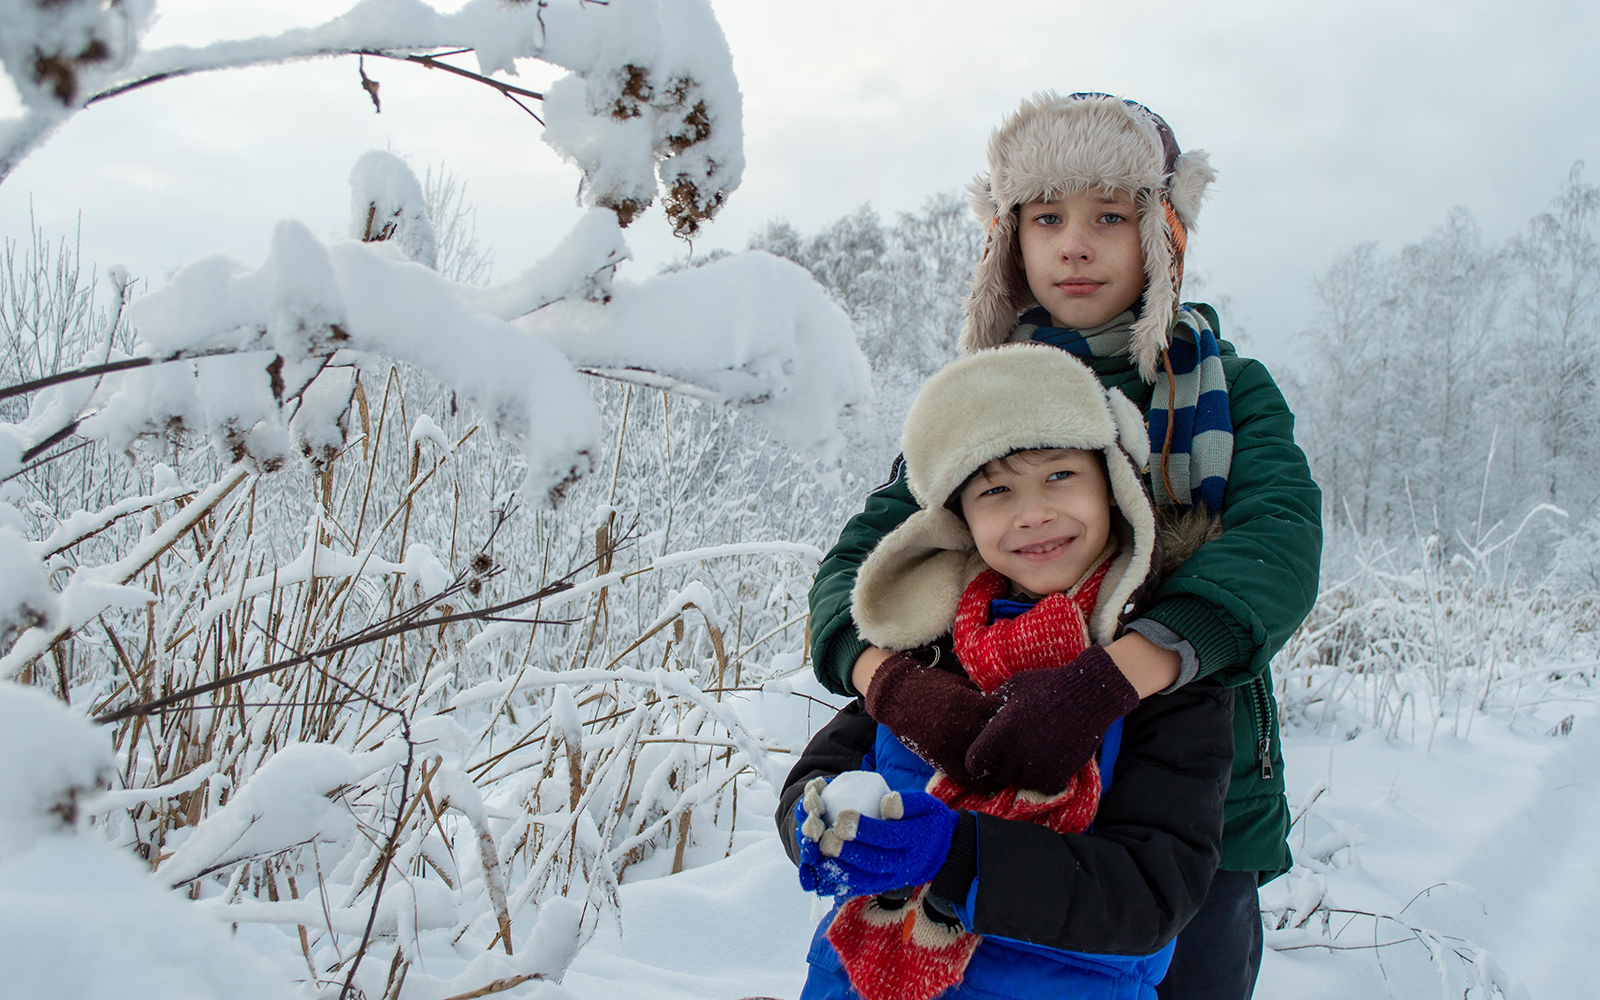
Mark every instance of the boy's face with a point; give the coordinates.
(1082, 256)
(1044, 524)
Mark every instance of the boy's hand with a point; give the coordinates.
(859, 856)
(1052, 722)
(937, 714)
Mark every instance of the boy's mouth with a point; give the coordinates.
(1079, 286)
(1042, 550)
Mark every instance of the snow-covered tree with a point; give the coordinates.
(1556, 327)
(1452, 385)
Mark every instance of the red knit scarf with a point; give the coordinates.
(897, 952)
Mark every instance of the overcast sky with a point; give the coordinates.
(1329, 124)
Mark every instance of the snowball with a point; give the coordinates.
(862, 791)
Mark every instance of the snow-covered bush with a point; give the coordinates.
(1577, 568)
(372, 697)
(550, 757)
(1412, 642)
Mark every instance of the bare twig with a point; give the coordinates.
(498, 986)
(94, 371)
(380, 631)
(359, 639)
(432, 62)
(371, 87)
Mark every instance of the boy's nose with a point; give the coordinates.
(1075, 243)
(1032, 515)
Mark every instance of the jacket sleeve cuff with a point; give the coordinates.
(1160, 635)
(843, 650)
(1219, 642)
(956, 876)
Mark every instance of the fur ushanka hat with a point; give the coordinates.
(1055, 146)
(980, 408)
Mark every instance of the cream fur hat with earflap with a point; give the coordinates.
(1055, 146)
(983, 407)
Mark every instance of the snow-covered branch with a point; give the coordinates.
(650, 98)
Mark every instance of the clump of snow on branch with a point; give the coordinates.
(386, 203)
(284, 325)
(53, 759)
(26, 600)
(58, 54)
(292, 800)
(642, 98)
(753, 329)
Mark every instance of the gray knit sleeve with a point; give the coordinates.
(1168, 639)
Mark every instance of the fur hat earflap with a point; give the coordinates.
(985, 406)
(1055, 146)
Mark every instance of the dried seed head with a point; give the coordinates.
(481, 563)
(475, 586)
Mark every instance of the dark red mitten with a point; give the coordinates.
(935, 713)
(1051, 723)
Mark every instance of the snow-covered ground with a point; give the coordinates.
(1493, 840)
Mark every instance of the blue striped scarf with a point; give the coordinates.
(1201, 451)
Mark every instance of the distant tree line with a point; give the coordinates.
(1453, 382)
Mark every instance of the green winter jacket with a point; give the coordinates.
(1236, 600)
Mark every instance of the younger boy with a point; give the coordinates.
(1034, 534)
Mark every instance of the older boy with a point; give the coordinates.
(1088, 200)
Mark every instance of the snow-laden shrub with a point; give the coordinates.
(1407, 640)
(1577, 568)
(374, 698)
(550, 758)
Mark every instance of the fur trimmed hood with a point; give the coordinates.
(979, 408)
(1055, 146)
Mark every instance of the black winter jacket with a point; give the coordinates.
(1128, 887)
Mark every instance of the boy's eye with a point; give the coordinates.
(1058, 475)
(993, 491)
(1047, 219)
(1112, 218)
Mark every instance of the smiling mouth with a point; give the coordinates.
(1043, 549)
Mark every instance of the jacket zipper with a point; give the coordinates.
(1261, 713)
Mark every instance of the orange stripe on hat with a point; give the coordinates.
(1177, 242)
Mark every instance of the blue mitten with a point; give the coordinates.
(861, 856)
